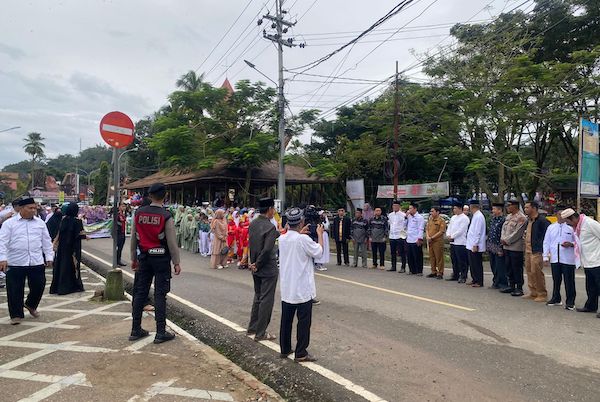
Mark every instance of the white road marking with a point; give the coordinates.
(6, 321)
(141, 343)
(349, 385)
(68, 346)
(164, 388)
(66, 310)
(75, 379)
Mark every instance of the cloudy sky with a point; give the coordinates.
(64, 64)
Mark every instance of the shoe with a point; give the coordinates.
(121, 264)
(220, 267)
(316, 302)
(597, 315)
(554, 303)
(584, 310)
(285, 355)
(452, 279)
(323, 268)
(507, 290)
(528, 297)
(374, 267)
(267, 337)
(431, 276)
(382, 267)
(570, 308)
(34, 313)
(250, 333)
(409, 273)
(476, 285)
(402, 270)
(355, 266)
(138, 334)
(517, 293)
(439, 277)
(541, 299)
(307, 358)
(461, 280)
(470, 283)
(338, 265)
(347, 264)
(495, 287)
(164, 337)
(391, 270)
(15, 321)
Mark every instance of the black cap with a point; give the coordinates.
(157, 188)
(294, 216)
(473, 202)
(359, 209)
(498, 204)
(397, 202)
(514, 201)
(26, 201)
(457, 204)
(266, 203)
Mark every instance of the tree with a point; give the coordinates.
(190, 81)
(34, 146)
(100, 181)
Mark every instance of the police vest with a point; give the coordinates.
(150, 222)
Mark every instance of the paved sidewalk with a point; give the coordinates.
(78, 351)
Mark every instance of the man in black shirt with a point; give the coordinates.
(341, 232)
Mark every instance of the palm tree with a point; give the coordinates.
(190, 81)
(34, 146)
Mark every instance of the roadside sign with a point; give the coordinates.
(116, 129)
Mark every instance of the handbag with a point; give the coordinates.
(225, 250)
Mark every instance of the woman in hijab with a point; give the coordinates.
(66, 275)
(219, 229)
(54, 222)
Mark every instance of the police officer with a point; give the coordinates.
(153, 247)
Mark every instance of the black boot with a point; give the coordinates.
(517, 292)
(164, 337)
(138, 333)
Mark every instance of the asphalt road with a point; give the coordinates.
(408, 338)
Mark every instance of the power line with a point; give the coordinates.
(377, 41)
(224, 35)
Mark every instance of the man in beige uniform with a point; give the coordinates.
(435, 230)
(512, 242)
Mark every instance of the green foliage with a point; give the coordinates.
(100, 181)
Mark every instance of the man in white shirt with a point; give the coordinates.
(457, 235)
(297, 252)
(476, 237)
(24, 245)
(397, 235)
(559, 253)
(587, 249)
(414, 240)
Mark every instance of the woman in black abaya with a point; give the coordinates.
(66, 276)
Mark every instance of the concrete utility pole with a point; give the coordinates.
(281, 27)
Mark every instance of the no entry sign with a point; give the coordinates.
(116, 129)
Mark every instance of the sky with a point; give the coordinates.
(64, 64)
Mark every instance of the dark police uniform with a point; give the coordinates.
(153, 241)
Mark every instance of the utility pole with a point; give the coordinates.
(396, 132)
(281, 27)
(77, 172)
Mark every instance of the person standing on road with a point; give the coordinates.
(360, 236)
(435, 230)
(378, 232)
(415, 227)
(534, 247)
(476, 237)
(494, 247)
(121, 225)
(297, 283)
(263, 264)
(341, 234)
(25, 252)
(153, 236)
(397, 234)
(513, 244)
(457, 235)
(219, 252)
(66, 273)
(559, 253)
(587, 250)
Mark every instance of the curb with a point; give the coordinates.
(290, 380)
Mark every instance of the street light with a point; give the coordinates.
(444, 168)
(8, 129)
(252, 66)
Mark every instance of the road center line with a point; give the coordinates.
(425, 299)
(344, 382)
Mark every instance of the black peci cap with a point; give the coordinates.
(473, 202)
(514, 201)
(157, 188)
(266, 203)
(498, 204)
(26, 201)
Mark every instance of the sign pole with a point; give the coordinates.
(116, 180)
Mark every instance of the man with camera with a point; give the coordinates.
(297, 252)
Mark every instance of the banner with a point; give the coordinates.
(99, 230)
(589, 162)
(355, 189)
(423, 190)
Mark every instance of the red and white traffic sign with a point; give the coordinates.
(116, 129)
